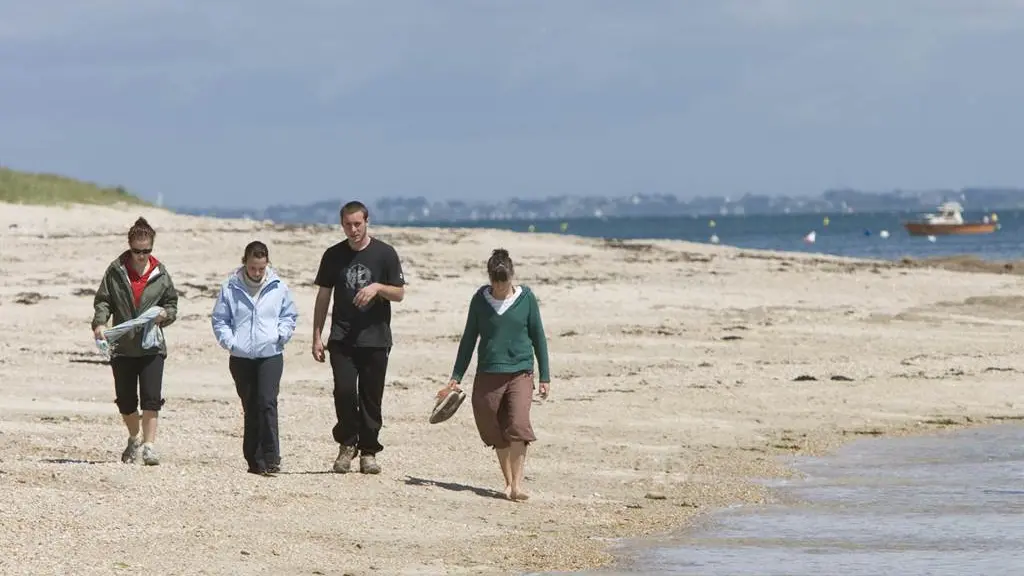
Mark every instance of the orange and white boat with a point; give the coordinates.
(949, 220)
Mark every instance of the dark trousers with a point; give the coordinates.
(359, 375)
(138, 382)
(258, 382)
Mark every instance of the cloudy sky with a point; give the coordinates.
(233, 102)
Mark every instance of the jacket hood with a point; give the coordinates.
(236, 280)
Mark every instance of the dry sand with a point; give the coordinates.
(680, 372)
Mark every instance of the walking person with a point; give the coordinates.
(365, 276)
(134, 283)
(506, 319)
(254, 318)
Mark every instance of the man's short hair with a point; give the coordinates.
(353, 207)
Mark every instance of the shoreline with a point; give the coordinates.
(713, 536)
(626, 549)
(686, 367)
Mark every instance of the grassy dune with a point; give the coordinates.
(50, 189)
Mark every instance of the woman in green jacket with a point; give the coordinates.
(506, 319)
(133, 283)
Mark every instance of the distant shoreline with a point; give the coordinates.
(228, 214)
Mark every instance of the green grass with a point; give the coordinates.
(50, 189)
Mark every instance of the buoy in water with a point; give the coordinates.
(711, 224)
(883, 234)
(931, 238)
(714, 238)
(532, 228)
(825, 221)
(811, 237)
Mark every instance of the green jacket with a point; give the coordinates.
(114, 299)
(507, 341)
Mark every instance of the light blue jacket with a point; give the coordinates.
(254, 328)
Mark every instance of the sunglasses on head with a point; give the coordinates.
(141, 250)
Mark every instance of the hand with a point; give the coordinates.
(161, 318)
(318, 349)
(452, 385)
(544, 388)
(366, 295)
(97, 333)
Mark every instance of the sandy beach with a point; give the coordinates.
(679, 373)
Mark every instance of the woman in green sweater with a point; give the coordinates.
(506, 319)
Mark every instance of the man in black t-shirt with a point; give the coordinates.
(365, 276)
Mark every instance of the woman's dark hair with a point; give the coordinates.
(141, 230)
(256, 250)
(499, 266)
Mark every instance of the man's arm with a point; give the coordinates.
(393, 293)
(325, 276)
(323, 300)
(393, 286)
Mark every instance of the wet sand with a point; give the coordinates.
(679, 372)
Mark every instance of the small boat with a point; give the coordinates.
(949, 220)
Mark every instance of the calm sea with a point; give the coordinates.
(946, 505)
(857, 235)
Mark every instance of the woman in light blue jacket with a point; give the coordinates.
(253, 319)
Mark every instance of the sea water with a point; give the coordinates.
(853, 235)
(944, 505)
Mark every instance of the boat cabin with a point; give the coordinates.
(948, 213)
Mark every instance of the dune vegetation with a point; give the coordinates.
(17, 187)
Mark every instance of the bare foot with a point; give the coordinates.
(519, 496)
(508, 492)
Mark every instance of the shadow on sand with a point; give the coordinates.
(89, 361)
(74, 461)
(454, 487)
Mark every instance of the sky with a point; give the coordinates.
(251, 103)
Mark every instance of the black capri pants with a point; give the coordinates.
(138, 382)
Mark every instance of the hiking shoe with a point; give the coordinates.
(343, 463)
(131, 453)
(368, 464)
(149, 457)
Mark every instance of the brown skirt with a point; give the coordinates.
(501, 407)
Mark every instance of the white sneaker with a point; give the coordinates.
(131, 453)
(149, 457)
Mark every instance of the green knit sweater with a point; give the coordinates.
(508, 341)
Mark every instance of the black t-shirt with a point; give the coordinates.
(348, 271)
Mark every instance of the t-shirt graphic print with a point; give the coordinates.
(358, 277)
